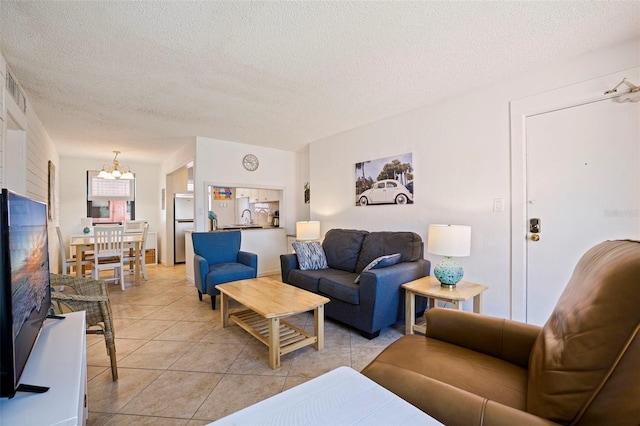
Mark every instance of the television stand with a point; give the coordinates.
(58, 360)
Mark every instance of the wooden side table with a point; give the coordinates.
(431, 288)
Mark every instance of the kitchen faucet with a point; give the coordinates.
(250, 219)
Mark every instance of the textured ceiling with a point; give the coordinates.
(145, 76)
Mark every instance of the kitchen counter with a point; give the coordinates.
(267, 242)
(244, 227)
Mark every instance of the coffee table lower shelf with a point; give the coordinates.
(289, 337)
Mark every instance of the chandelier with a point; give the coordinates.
(115, 172)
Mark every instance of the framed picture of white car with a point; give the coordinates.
(386, 180)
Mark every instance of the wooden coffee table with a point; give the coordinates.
(269, 301)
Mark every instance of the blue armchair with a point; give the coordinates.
(218, 260)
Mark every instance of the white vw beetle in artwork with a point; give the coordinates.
(386, 191)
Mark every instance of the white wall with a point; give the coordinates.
(39, 151)
(176, 183)
(3, 120)
(460, 150)
(220, 162)
(303, 211)
(176, 161)
(461, 156)
(73, 191)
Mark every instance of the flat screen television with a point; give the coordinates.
(25, 295)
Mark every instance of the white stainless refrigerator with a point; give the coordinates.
(183, 221)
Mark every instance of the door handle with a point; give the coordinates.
(534, 228)
(534, 225)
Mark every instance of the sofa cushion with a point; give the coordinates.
(380, 262)
(342, 248)
(376, 244)
(310, 255)
(588, 342)
(340, 287)
(308, 280)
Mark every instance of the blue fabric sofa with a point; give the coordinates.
(377, 301)
(218, 259)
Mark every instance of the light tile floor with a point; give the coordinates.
(178, 366)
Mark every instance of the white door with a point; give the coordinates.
(583, 184)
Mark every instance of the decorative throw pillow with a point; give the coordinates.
(380, 262)
(310, 255)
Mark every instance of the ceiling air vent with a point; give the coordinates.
(16, 93)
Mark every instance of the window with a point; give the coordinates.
(110, 200)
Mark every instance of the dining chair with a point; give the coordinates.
(130, 255)
(68, 263)
(108, 252)
(134, 226)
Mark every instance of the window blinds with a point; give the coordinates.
(109, 189)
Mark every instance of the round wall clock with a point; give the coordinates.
(250, 162)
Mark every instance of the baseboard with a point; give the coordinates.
(269, 273)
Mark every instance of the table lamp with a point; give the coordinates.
(449, 241)
(307, 230)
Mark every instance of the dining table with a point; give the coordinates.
(85, 243)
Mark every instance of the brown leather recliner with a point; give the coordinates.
(582, 367)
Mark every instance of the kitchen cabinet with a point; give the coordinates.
(243, 192)
(255, 195)
(258, 195)
(268, 195)
(264, 195)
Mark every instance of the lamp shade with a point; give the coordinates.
(449, 240)
(308, 230)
